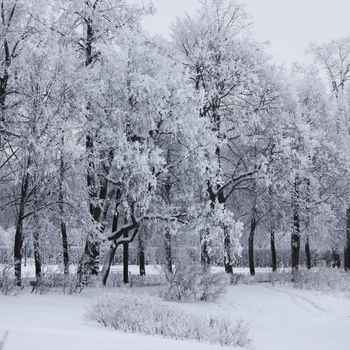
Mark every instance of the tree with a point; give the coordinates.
(334, 58)
(218, 57)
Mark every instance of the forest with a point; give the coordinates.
(192, 154)
(110, 137)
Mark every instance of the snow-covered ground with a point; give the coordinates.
(56, 322)
(280, 318)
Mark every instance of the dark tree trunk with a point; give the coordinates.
(295, 238)
(64, 236)
(113, 247)
(4, 79)
(308, 254)
(126, 260)
(19, 230)
(65, 248)
(25, 255)
(295, 245)
(347, 244)
(307, 224)
(253, 224)
(251, 244)
(273, 251)
(227, 256)
(141, 251)
(347, 258)
(37, 257)
(18, 251)
(36, 244)
(108, 262)
(168, 252)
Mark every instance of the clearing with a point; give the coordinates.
(280, 317)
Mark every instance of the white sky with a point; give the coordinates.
(289, 25)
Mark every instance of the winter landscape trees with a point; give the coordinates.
(197, 146)
(194, 156)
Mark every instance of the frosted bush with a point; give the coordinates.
(147, 280)
(324, 280)
(69, 284)
(151, 316)
(327, 280)
(192, 283)
(116, 280)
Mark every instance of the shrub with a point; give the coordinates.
(116, 280)
(324, 280)
(71, 284)
(151, 316)
(192, 283)
(48, 280)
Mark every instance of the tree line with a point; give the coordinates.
(112, 137)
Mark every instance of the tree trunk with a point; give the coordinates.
(347, 257)
(295, 245)
(65, 248)
(307, 224)
(308, 253)
(64, 236)
(347, 244)
(18, 250)
(141, 256)
(19, 230)
(113, 247)
(108, 262)
(36, 241)
(126, 261)
(273, 251)
(168, 252)
(251, 244)
(36, 246)
(253, 224)
(227, 256)
(295, 238)
(37, 257)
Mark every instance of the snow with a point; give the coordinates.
(283, 318)
(56, 322)
(280, 318)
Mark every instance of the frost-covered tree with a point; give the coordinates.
(220, 60)
(334, 58)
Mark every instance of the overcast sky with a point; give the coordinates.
(289, 25)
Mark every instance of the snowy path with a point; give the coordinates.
(288, 319)
(281, 318)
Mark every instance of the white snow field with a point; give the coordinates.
(280, 318)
